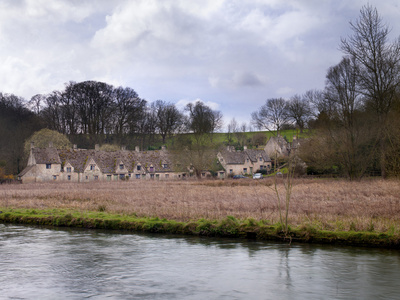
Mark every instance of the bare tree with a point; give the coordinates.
(168, 118)
(232, 128)
(346, 128)
(299, 111)
(272, 115)
(36, 103)
(318, 104)
(128, 110)
(202, 119)
(379, 63)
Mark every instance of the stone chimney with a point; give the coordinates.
(137, 149)
(31, 159)
(97, 147)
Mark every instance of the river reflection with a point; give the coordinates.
(39, 263)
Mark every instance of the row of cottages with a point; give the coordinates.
(82, 165)
(248, 161)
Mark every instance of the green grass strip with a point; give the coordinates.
(228, 227)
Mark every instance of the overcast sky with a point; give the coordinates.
(232, 55)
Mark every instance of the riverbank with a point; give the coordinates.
(322, 211)
(228, 227)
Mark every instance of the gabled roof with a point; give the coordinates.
(232, 157)
(25, 171)
(46, 156)
(255, 154)
(282, 143)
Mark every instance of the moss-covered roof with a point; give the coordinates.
(239, 157)
(108, 162)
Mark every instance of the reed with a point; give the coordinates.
(326, 204)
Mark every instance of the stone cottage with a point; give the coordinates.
(247, 161)
(277, 146)
(83, 165)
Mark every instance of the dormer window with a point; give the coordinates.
(261, 159)
(139, 167)
(69, 169)
(92, 167)
(121, 166)
(165, 166)
(151, 169)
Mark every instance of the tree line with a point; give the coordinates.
(355, 120)
(93, 112)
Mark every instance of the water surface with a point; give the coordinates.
(40, 263)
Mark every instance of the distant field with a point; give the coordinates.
(369, 205)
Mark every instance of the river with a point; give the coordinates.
(42, 263)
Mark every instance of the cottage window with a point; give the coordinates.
(48, 166)
(245, 170)
(92, 167)
(121, 166)
(247, 160)
(261, 159)
(139, 167)
(68, 169)
(69, 177)
(151, 169)
(166, 175)
(157, 176)
(54, 177)
(151, 176)
(137, 176)
(144, 176)
(108, 177)
(121, 176)
(96, 177)
(165, 166)
(230, 171)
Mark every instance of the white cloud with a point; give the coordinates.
(181, 104)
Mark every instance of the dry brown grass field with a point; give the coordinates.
(369, 205)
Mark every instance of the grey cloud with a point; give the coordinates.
(221, 51)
